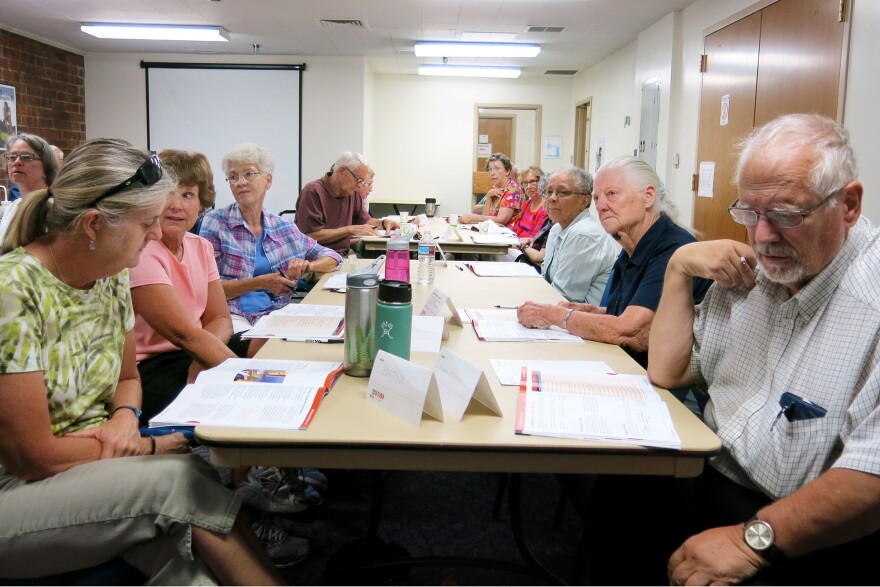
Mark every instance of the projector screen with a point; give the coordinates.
(210, 108)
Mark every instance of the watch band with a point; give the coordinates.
(565, 320)
(137, 411)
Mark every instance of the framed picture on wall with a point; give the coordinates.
(8, 124)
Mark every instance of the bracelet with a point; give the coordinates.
(565, 320)
(152, 444)
(137, 411)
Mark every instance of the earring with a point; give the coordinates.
(92, 245)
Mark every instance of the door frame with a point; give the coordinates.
(538, 116)
(583, 113)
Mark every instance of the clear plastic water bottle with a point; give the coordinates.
(427, 247)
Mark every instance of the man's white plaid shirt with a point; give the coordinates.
(821, 344)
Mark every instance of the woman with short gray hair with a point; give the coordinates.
(30, 165)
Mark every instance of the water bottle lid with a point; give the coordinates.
(395, 292)
(362, 280)
(400, 243)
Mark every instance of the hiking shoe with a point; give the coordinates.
(284, 549)
(313, 477)
(273, 490)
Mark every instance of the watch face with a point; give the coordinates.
(759, 535)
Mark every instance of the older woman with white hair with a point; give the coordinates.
(77, 480)
(260, 255)
(635, 209)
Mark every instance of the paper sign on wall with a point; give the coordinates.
(725, 109)
(706, 187)
(459, 382)
(403, 389)
(484, 150)
(483, 139)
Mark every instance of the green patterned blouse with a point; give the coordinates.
(74, 337)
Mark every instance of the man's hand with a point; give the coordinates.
(362, 230)
(727, 262)
(718, 556)
(535, 315)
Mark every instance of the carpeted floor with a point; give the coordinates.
(436, 514)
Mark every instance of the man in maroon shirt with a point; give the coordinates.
(330, 209)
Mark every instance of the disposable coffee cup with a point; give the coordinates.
(453, 220)
(407, 228)
(484, 226)
(404, 217)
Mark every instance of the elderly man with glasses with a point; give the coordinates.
(330, 209)
(785, 344)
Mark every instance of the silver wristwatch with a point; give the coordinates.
(759, 536)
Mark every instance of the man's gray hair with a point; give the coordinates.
(351, 160)
(835, 159)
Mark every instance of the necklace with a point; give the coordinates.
(57, 266)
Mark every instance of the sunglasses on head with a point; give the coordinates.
(148, 173)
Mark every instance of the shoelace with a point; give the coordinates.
(270, 533)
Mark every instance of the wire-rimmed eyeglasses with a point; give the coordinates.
(778, 218)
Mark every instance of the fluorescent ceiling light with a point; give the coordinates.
(451, 49)
(469, 71)
(157, 32)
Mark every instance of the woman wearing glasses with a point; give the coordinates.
(533, 216)
(505, 198)
(30, 165)
(635, 209)
(260, 255)
(71, 396)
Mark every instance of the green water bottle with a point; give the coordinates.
(394, 318)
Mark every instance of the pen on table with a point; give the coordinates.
(320, 340)
(507, 307)
(460, 268)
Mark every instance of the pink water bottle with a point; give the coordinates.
(397, 259)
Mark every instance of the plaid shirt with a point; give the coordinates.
(751, 346)
(235, 249)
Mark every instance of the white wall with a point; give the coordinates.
(417, 131)
(333, 101)
(611, 86)
(424, 129)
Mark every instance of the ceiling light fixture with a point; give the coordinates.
(452, 49)
(470, 71)
(155, 32)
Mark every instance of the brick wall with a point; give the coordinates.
(49, 89)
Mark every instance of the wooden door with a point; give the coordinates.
(731, 70)
(500, 131)
(783, 59)
(801, 48)
(582, 135)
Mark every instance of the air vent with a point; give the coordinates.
(345, 22)
(560, 72)
(544, 29)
